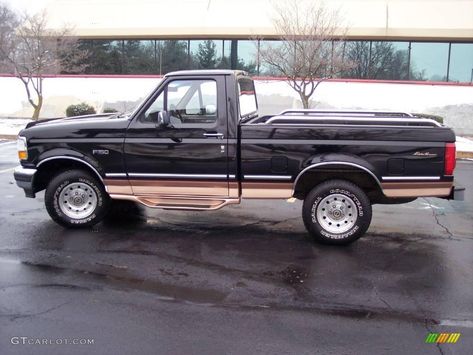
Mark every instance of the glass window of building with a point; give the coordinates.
(225, 63)
(429, 61)
(173, 55)
(248, 56)
(461, 63)
(138, 57)
(356, 56)
(206, 54)
(104, 56)
(239, 54)
(266, 69)
(389, 60)
(379, 60)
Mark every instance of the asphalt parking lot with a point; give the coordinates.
(241, 280)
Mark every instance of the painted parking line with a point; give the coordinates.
(7, 170)
(457, 323)
(7, 143)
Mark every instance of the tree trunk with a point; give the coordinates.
(37, 109)
(305, 100)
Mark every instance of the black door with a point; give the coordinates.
(187, 157)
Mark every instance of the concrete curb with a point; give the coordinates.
(464, 155)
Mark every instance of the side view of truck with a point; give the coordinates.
(197, 142)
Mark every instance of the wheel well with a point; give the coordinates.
(362, 179)
(49, 169)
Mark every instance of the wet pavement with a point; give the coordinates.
(242, 280)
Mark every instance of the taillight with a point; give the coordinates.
(450, 158)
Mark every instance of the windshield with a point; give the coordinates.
(140, 102)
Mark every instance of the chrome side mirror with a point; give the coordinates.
(164, 118)
(210, 110)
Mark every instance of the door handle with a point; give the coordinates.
(214, 135)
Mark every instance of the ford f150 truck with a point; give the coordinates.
(198, 143)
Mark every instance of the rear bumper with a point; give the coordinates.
(24, 178)
(457, 193)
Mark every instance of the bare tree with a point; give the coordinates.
(8, 24)
(310, 46)
(32, 50)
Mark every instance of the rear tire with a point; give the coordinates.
(336, 212)
(75, 199)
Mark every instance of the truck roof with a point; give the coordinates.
(207, 72)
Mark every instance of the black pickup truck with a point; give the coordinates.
(198, 143)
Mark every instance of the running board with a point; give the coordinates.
(197, 203)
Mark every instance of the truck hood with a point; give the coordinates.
(75, 119)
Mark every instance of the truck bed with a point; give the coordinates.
(395, 149)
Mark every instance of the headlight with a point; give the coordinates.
(22, 148)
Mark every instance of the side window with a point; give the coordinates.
(192, 102)
(189, 102)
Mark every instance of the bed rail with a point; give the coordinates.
(332, 117)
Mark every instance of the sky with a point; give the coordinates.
(29, 5)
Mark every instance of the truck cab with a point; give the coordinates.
(182, 144)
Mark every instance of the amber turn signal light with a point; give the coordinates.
(23, 155)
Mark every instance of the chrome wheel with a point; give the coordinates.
(78, 200)
(337, 213)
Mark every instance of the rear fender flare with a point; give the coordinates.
(338, 160)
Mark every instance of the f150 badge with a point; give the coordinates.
(100, 151)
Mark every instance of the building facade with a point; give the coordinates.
(421, 40)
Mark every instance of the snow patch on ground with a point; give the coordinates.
(458, 117)
(464, 144)
(11, 126)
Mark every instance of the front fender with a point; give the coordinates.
(70, 154)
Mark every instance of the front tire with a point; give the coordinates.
(336, 212)
(75, 199)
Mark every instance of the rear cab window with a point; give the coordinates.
(248, 104)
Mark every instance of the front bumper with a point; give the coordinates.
(24, 178)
